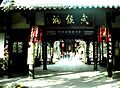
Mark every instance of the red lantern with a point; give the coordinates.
(108, 37)
(103, 33)
(40, 36)
(34, 34)
(99, 39)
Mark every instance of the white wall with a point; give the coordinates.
(2, 37)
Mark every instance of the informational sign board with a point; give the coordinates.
(70, 32)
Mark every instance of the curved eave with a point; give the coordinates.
(59, 4)
(13, 7)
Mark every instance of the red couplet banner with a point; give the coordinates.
(103, 32)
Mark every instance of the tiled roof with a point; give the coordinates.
(58, 4)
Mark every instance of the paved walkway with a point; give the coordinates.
(72, 66)
(67, 76)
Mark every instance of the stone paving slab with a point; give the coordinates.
(50, 79)
(73, 76)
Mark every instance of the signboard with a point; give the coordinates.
(96, 50)
(110, 50)
(69, 19)
(70, 32)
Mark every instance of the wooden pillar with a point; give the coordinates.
(109, 45)
(87, 51)
(44, 49)
(99, 45)
(102, 54)
(52, 44)
(32, 23)
(8, 24)
(95, 49)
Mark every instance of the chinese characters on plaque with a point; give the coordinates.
(56, 19)
(69, 20)
(84, 19)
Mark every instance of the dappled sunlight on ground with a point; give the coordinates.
(74, 80)
(55, 77)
